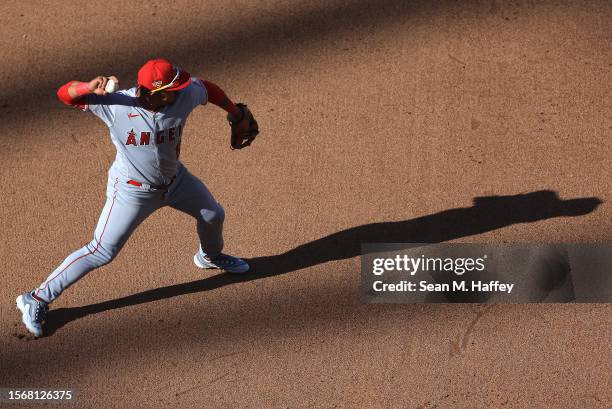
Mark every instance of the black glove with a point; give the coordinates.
(244, 128)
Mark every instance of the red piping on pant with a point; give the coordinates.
(90, 252)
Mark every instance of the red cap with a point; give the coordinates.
(160, 74)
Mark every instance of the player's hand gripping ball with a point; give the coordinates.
(103, 85)
(244, 129)
(111, 86)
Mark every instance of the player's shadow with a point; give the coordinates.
(486, 214)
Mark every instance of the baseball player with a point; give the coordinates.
(146, 125)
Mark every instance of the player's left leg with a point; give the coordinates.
(191, 196)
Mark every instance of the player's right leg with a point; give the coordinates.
(125, 209)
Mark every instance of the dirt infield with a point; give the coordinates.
(381, 121)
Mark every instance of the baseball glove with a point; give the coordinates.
(245, 129)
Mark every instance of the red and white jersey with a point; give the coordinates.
(148, 143)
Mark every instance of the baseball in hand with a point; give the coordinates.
(111, 86)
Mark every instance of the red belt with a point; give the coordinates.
(136, 183)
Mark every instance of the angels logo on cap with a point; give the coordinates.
(159, 74)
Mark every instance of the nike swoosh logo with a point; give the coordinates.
(133, 115)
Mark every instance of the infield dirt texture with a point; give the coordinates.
(372, 113)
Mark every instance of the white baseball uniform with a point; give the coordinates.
(145, 176)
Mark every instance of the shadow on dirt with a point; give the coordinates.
(487, 214)
(259, 43)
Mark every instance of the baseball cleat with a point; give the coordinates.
(223, 262)
(33, 313)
